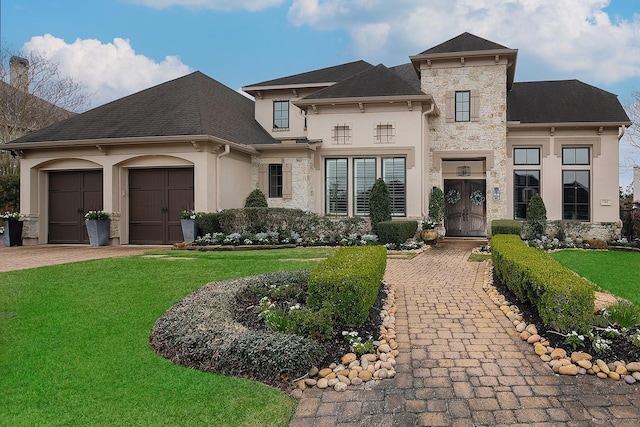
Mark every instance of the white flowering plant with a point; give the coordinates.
(96, 215)
(189, 214)
(575, 340)
(357, 345)
(10, 216)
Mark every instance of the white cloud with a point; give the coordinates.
(250, 5)
(575, 38)
(108, 70)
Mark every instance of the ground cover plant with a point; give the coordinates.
(74, 344)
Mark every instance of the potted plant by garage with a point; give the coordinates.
(189, 222)
(428, 233)
(98, 224)
(12, 226)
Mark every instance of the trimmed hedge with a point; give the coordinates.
(396, 231)
(506, 226)
(208, 223)
(350, 280)
(563, 300)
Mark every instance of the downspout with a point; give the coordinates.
(425, 155)
(227, 150)
(622, 132)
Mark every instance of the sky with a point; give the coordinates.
(118, 47)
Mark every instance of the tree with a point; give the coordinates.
(379, 204)
(256, 199)
(634, 114)
(437, 209)
(536, 216)
(33, 94)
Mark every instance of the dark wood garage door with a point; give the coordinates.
(156, 198)
(71, 195)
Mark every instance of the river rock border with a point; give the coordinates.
(562, 363)
(354, 371)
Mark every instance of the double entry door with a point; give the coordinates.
(465, 200)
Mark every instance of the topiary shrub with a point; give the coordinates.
(256, 199)
(506, 226)
(536, 217)
(379, 204)
(437, 209)
(350, 280)
(396, 232)
(9, 193)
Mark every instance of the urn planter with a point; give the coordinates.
(98, 231)
(189, 229)
(12, 233)
(429, 235)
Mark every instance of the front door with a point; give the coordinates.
(157, 197)
(71, 195)
(465, 200)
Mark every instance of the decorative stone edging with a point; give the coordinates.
(577, 363)
(369, 367)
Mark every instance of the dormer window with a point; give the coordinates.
(281, 114)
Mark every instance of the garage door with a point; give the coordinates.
(71, 195)
(156, 198)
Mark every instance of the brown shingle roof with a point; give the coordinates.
(191, 105)
(563, 101)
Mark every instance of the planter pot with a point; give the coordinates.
(12, 233)
(189, 229)
(98, 231)
(429, 235)
(441, 231)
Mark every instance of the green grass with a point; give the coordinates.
(616, 272)
(73, 344)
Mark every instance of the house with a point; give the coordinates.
(452, 117)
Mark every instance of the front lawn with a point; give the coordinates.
(615, 271)
(73, 344)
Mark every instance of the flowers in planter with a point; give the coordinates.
(10, 216)
(189, 214)
(428, 224)
(100, 215)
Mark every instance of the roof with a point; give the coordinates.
(408, 72)
(465, 42)
(191, 105)
(323, 75)
(374, 82)
(563, 101)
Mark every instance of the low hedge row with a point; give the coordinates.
(563, 300)
(350, 280)
(396, 231)
(506, 226)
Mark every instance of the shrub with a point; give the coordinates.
(506, 226)
(350, 280)
(396, 232)
(379, 204)
(313, 324)
(536, 216)
(256, 199)
(563, 300)
(635, 221)
(9, 193)
(208, 223)
(624, 314)
(437, 209)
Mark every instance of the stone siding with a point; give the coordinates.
(302, 185)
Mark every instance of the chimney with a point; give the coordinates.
(19, 73)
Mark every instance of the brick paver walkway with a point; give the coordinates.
(463, 364)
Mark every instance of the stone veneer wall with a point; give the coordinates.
(489, 133)
(302, 191)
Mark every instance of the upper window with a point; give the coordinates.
(394, 175)
(384, 133)
(342, 134)
(364, 176)
(275, 180)
(280, 114)
(463, 106)
(575, 156)
(336, 187)
(526, 156)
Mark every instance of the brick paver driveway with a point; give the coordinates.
(462, 363)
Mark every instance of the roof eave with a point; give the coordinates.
(110, 142)
(312, 146)
(519, 124)
(255, 89)
(466, 54)
(363, 100)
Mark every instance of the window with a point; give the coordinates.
(575, 156)
(526, 156)
(526, 183)
(384, 133)
(336, 201)
(393, 173)
(364, 175)
(575, 195)
(275, 180)
(342, 134)
(463, 106)
(280, 114)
